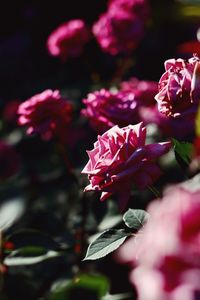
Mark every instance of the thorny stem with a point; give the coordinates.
(65, 158)
(123, 65)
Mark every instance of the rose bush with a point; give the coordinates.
(68, 39)
(120, 158)
(46, 114)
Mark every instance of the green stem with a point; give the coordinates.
(154, 191)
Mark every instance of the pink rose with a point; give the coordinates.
(167, 248)
(179, 88)
(9, 161)
(143, 90)
(68, 39)
(118, 32)
(47, 114)
(105, 109)
(172, 127)
(139, 8)
(149, 285)
(120, 158)
(189, 47)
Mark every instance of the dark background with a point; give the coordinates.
(26, 68)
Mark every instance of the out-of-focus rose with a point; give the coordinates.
(68, 39)
(10, 111)
(143, 90)
(167, 249)
(121, 158)
(46, 114)
(149, 284)
(105, 109)
(144, 93)
(179, 88)
(118, 32)
(9, 161)
(172, 127)
(139, 8)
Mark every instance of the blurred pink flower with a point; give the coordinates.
(9, 161)
(47, 114)
(120, 158)
(189, 47)
(167, 248)
(139, 8)
(144, 93)
(169, 127)
(118, 32)
(105, 109)
(149, 284)
(143, 90)
(68, 39)
(179, 87)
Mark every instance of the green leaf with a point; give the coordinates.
(81, 284)
(106, 243)
(192, 185)
(28, 256)
(112, 218)
(183, 152)
(10, 212)
(123, 296)
(135, 218)
(109, 222)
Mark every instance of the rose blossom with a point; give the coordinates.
(149, 284)
(9, 161)
(189, 48)
(167, 248)
(172, 127)
(46, 113)
(139, 8)
(179, 88)
(143, 90)
(118, 32)
(105, 109)
(119, 158)
(68, 39)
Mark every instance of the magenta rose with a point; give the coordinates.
(9, 161)
(68, 39)
(139, 8)
(149, 285)
(179, 88)
(46, 114)
(167, 248)
(118, 32)
(172, 127)
(143, 90)
(120, 158)
(105, 109)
